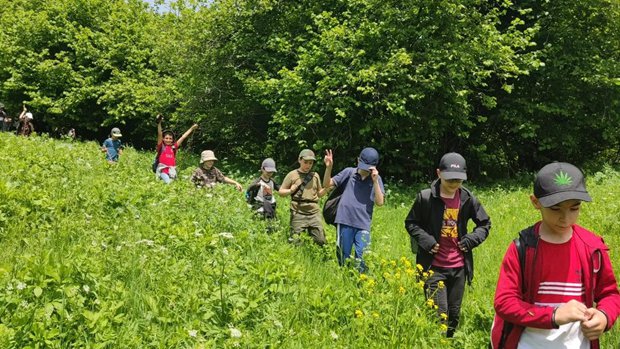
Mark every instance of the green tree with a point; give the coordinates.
(88, 64)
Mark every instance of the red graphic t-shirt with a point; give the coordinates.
(167, 156)
(449, 254)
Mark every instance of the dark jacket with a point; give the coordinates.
(425, 220)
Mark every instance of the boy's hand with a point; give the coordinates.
(159, 118)
(595, 324)
(462, 246)
(329, 158)
(570, 312)
(194, 126)
(374, 174)
(435, 249)
(238, 186)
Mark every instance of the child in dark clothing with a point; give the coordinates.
(437, 222)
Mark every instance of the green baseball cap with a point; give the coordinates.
(307, 154)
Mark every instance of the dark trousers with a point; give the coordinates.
(449, 297)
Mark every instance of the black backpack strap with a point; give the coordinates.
(303, 184)
(526, 239)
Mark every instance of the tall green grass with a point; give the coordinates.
(103, 256)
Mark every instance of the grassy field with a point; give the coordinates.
(100, 256)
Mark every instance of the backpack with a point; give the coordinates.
(331, 205)
(156, 160)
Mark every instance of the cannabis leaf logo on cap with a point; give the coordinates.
(563, 178)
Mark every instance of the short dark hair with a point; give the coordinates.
(167, 132)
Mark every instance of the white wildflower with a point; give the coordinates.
(333, 334)
(277, 323)
(192, 333)
(226, 235)
(20, 286)
(235, 333)
(225, 251)
(86, 288)
(24, 304)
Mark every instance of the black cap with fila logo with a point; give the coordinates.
(453, 166)
(560, 181)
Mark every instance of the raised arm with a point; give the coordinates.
(376, 187)
(23, 114)
(329, 164)
(186, 134)
(160, 137)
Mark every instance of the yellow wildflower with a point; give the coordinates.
(359, 313)
(430, 302)
(387, 275)
(393, 263)
(401, 290)
(409, 271)
(421, 285)
(440, 285)
(370, 283)
(443, 316)
(363, 277)
(425, 275)
(397, 275)
(430, 272)
(407, 264)
(443, 328)
(375, 314)
(419, 266)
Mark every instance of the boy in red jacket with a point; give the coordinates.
(556, 286)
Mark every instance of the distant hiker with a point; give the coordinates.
(207, 175)
(165, 161)
(304, 187)
(361, 189)
(3, 117)
(25, 123)
(437, 223)
(261, 193)
(112, 147)
(556, 286)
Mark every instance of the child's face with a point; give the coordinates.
(266, 174)
(208, 164)
(305, 165)
(168, 139)
(449, 186)
(559, 219)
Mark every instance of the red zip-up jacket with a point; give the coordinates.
(514, 305)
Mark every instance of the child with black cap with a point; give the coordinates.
(437, 224)
(362, 189)
(556, 287)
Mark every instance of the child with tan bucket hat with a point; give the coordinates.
(207, 175)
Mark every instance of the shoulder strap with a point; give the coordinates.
(526, 239)
(304, 183)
